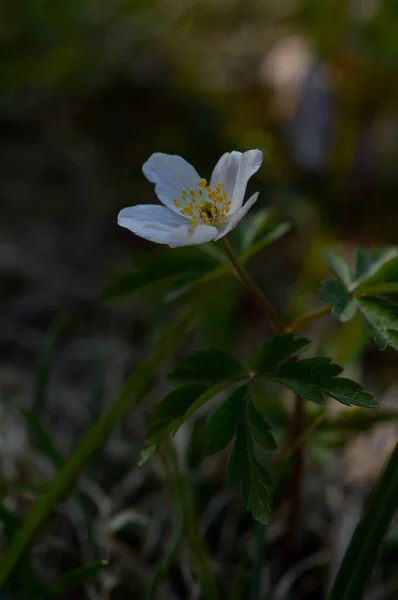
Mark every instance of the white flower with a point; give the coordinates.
(193, 212)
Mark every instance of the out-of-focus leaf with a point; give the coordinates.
(357, 420)
(363, 549)
(375, 268)
(381, 319)
(162, 266)
(339, 267)
(276, 351)
(334, 293)
(208, 367)
(222, 425)
(259, 227)
(375, 272)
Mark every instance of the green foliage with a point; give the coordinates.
(363, 549)
(333, 292)
(129, 397)
(274, 352)
(221, 427)
(315, 378)
(381, 320)
(257, 231)
(311, 378)
(174, 410)
(244, 470)
(162, 266)
(183, 268)
(375, 272)
(260, 429)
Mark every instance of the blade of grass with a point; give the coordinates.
(43, 363)
(190, 522)
(363, 550)
(76, 578)
(42, 438)
(128, 398)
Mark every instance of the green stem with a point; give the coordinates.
(308, 318)
(261, 301)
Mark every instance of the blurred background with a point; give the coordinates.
(88, 90)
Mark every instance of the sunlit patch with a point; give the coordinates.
(206, 206)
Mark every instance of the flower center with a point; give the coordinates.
(208, 206)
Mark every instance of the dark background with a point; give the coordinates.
(88, 90)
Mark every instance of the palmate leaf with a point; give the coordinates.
(243, 469)
(315, 378)
(276, 351)
(375, 272)
(174, 410)
(311, 378)
(221, 427)
(334, 293)
(381, 319)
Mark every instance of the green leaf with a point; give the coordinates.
(375, 268)
(381, 319)
(243, 468)
(260, 429)
(339, 267)
(334, 293)
(277, 350)
(165, 426)
(222, 425)
(314, 378)
(161, 266)
(260, 227)
(176, 404)
(362, 552)
(236, 465)
(43, 440)
(208, 367)
(129, 396)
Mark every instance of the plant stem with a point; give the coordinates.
(308, 318)
(261, 301)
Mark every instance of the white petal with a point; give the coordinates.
(236, 217)
(249, 164)
(170, 174)
(159, 224)
(225, 172)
